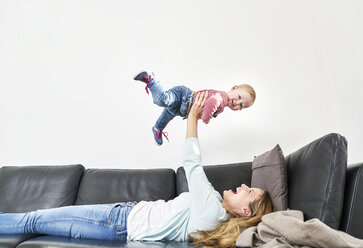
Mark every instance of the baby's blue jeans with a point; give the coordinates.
(175, 101)
(102, 221)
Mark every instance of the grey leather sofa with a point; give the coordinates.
(320, 184)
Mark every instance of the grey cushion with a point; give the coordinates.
(269, 173)
(27, 188)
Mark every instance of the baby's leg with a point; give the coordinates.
(161, 97)
(87, 221)
(164, 119)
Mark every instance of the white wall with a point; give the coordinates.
(67, 94)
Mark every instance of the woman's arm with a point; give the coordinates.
(194, 114)
(206, 210)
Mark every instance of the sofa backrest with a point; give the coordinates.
(27, 188)
(122, 185)
(316, 179)
(222, 177)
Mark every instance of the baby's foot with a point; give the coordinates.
(158, 136)
(145, 76)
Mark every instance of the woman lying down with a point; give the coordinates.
(213, 221)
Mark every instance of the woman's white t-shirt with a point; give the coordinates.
(198, 209)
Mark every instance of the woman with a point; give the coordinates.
(201, 214)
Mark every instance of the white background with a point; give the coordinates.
(67, 94)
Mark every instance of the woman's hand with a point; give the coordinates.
(195, 113)
(198, 105)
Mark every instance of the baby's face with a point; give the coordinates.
(239, 98)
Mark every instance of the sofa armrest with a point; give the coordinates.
(316, 179)
(352, 216)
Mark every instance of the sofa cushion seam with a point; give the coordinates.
(328, 185)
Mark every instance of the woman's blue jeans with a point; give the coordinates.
(102, 221)
(175, 101)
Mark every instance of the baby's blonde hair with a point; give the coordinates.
(249, 89)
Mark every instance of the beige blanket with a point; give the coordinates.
(287, 229)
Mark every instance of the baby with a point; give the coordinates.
(178, 101)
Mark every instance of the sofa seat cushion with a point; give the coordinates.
(316, 179)
(28, 188)
(12, 240)
(63, 242)
(123, 185)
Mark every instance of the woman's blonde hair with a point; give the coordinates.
(249, 89)
(226, 234)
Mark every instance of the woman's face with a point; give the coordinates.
(239, 201)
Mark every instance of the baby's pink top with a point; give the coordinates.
(214, 104)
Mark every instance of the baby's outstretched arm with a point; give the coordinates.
(210, 107)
